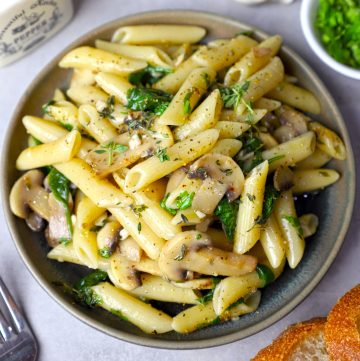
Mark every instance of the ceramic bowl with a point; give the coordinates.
(334, 205)
(307, 18)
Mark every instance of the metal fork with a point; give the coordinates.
(17, 343)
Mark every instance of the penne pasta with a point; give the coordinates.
(309, 180)
(86, 94)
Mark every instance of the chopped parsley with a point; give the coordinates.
(276, 158)
(172, 211)
(149, 75)
(227, 213)
(148, 100)
(162, 154)
(181, 255)
(206, 78)
(109, 109)
(187, 104)
(250, 114)
(111, 148)
(139, 209)
(232, 96)
(270, 196)
(105, 252)
(198, 236)
(184, 200)
(294, 221)
(251, 153)
(208, 296)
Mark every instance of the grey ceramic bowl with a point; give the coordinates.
(334, 205)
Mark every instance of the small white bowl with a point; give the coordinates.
(307, 18)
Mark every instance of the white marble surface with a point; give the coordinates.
(62, 337)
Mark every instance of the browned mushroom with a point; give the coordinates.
(283, 179)
(192, 251)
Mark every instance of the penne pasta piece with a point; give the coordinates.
(309, 224)
(86, 94)
(114, 85)
(316, 160)
(268, 104)
(233, 116)
(228, 147)
(328, 141)
(231, 130)
(58, 95)
(196, 284)
(231, 289)
(179, 154)
(272, 242)
(157, 34)
(250, 304)
(247, 232)
(268, 140)
(290, 152)
(98, 127)
(309, 180)
(141, 314)
(151, 54)
(148, 265)
(205, 116)
(185, 100)
(64, 253)
(122, 272)
(57, 151)
(295, 96)
(81, 77)
(290, 227)
(262, 82)
(65, 113)
(46, 131)
(157, 288)
(255, 59)
(86, 57)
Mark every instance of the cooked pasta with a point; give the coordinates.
(170, 167)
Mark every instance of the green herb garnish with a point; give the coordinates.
(277, 157)
(270, 196)
(187, 104)
(105, 252)
(111, 148)
(139, 227)
(294, 221)
(227, 213)
(184, 200)
(162, 154)
(251, 197)
(149, 75)
(208, 296)
(139, 209)
(265, 274)
(172, 211)
(232, 96)
(109, 109)
(45, 107)
(206, 78)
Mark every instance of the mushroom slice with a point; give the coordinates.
(123, 273)
(283, 179)
(58, 227)
(35, 222)
(130, 249)
(223, 176)
(28, 192)
(108, 238)
(193, 251)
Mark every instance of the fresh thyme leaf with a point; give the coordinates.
(227, 213)
(277, 157)
(251, 197)
(250, 114)
(60, 187)
(111, 148)
(138, 209)
(139, 226)
(149, 75)
(45, 107)
(109, 109)
(172, 211)
(148, 100)
(184, 200)
(206, 78)
(228, 171)
(162, 155)
(294, 221)
(182, 253)
(232, 96)
(187, 104)
(184, 218)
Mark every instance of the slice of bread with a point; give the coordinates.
(342, 330)
(300, 342)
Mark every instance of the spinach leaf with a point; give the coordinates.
(227, 213)
(270, 196)
(60, 187)
(265, 274)
(148, 100)
(149, 75)
(208, 296)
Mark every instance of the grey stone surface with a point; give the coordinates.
(62, 337)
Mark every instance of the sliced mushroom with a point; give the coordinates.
(283, 179)
(35, 222)
(130, 249)
(123, 273)
(28, 194)
(223, 176)
(192, 251)
(293, 123)
(108, 238)
(58, 227)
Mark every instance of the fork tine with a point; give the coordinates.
(10, 304)
(5, 328)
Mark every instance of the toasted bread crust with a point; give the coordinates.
(341, 332)
(285, 343)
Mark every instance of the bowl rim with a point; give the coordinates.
(307, 7)
(141, 339)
